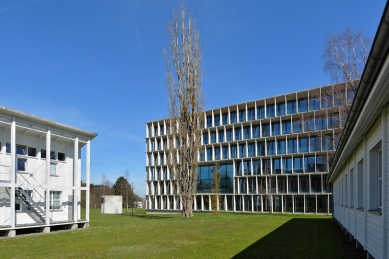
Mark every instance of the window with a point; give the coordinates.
(303, 104)
(242, 150)
(158, 145)
(155, 130)
(360, 184)
(209, 154)
(162, 156)
(309, 164)
(224, 118)
(266, 166)
(229, 135)
(321, 123)
(53, 169)
(351, 188)
(21, 150)
(256, 131)
(314, 143)
(217, 153)
(251, 114)
(152, 149)
(213, 137)
(333, 120)
(309, 124)
(286, 127)
(270, 111)
(321, 164)
(162, 130)
(271, 149)
(287, 165)
(150, 130)
(276, 128)
(43, 153)
(327, 142)
(232, 117)
(303, 144)
(260, 148)
(276, 166)
(281, 184)
(291, 107)
(298, 165)
(217, 120)
(220, 136)
(209, 121)
(375, 164)
(8, 147)
(205, 138)
(260, 112)
(281, 146)
(280, 109)
(31, 151)
(257, 167)
(304, 183)
(251, 149)
(246, 132)
(292, 184)
(327, 100)
(379, 172)
(242, 115)
(292, 145)
(238, 134)
(247, 167)
(297, 126)
(55, 200)
(224, 152)
(202, 155)
(345, 190)
(265, 130)
(314, 103)
(22, 164)
(233, 152)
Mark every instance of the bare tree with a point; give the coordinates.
(216, 200)
(345, 56)
(183, 81)
(106, 185)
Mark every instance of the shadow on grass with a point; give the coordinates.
(297, 238)
(147, 216)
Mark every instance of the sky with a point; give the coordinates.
(98, 65)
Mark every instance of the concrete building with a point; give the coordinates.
(40, 174)
(360, 173)
(111, 204)
(273, 154)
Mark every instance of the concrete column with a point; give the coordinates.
(12, 233)
(47, 176)
(46, 230)
(87, 179)
(13, 171)
(76, 180)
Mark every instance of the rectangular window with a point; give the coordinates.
(304, 183)
(309, 164)
(53, 169)
(303, 144)
(292, 146)
(246, 132)
(224, 118)
(155, 130)
(271, 148)
(242, 187)
(321, 123)
(217, 153)
(327, 142)
(22, 164)
(291, 107)
(43, 153)
(251, 149)
(351, 188)
(270, 111)
(276, 166)
(209, 154)
(213, 137)
(55, 200)
(251, 114)
(321, 164)
(280, 109)
(360, 184)
(31, 151)
(286, 127)
(260, 148)
(333, 120)
(256, 131)
(266, 166)
(21, 150)
(345, 190)
(260, 112)
(158, 144)
(233, 152)
(8, 147)
(205, 139)
(281, 184)
(61, 156)
(232, 117)
(314, 103)
(326, 100)
(303, 104)
(247, 167)
(276, 129)
(265, 129)
(238, 168)
(224, 152)
(292, 184)
(314, 144)
(242, 115)
(229, 134)
(238, 134)
(297, 126)
(379, 172)
(309, 124)
(298, 165)
(217, 120)
(220, 136)
(375, 178)
(287, 165)
(150, 130)
(281, 146)
(202, 155)
(209, 121)
(162, 130)
(242, 150)
(257, 167)
(251, 182)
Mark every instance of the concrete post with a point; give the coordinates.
(87, 179)
(47, 175)
(13, 171)
(76, 180)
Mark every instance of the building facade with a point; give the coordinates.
(273, 154)
(40, 174)
(360, 172)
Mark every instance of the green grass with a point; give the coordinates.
(227, 235)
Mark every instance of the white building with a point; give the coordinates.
(111, 204)
(30, 182)
(360, 173)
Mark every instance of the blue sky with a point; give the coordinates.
(98, 65)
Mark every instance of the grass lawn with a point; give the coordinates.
(227, 235)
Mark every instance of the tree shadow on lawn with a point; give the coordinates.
(297, 238)
(148, 216)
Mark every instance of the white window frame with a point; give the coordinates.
(52, 200)
(55, 168)
(379, 178)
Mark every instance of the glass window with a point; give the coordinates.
(297, 126)
(309, 124)
(224, 152)
(252, 188)
(247, 167)
(209, 154)
(327, 142)
(256, 131)
(31, 151)
(43, 153)
(21, 150)
(304, 183)
(233, 151)
(238, 168)
(269, 110)
(286, 127)
(209, 121)
(298, 165)
(280, 107)
(321, 123)
(150, 130)
(315, 183)
(266, 166)
(327, 100)
(257, 167)
(251, 114)
(321, 164)
(155, 130)
(61, 156)
(242, 186)
(162, 156)
(220, 136)
(232, 117)
(216, 119)
(271, 149)
(246, 132)
(242, 115)
(276, 166)
(260, 148)
(281, 184)
(8, 147)
(217, 153)
(55, 200)
(292, 184)
(260, 112)
(314, 143)
(158, 145)
(265, 129)
(303, 105)
(291, 107)
(213, 137)
(281, 146)
(276, 128)
(224, 118)
(202, 155)
(242, 150)
(238, 133)
(251, 149)
(53, 169)
(309, 164)
(22, 164)
(287, 165)
(229, 134)
(303, 144)
(314, 103)
(333, 120)
(205, 140)
(292, 146)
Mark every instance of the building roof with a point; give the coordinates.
(30, 117)
(371, 95)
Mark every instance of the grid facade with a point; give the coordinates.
(273, 154)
